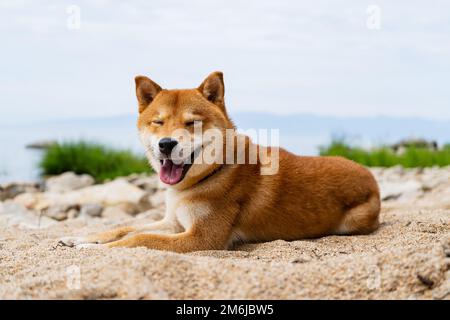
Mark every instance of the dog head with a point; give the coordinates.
(177, 126)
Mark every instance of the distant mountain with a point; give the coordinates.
(308, 130)
(373, 127)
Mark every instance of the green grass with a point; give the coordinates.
(95, 159)
(384, 157)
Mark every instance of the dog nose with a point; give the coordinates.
(166, 145)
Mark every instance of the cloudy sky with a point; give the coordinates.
(321, 57)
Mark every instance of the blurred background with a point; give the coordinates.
(368, 80)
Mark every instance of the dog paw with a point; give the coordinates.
(71, 241)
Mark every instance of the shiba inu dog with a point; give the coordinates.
(213, 203)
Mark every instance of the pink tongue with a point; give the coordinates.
(170, 172)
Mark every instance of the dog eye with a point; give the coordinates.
(192, 123)
(158, 122)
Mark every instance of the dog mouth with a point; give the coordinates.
(172, 173)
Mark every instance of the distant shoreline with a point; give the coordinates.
(301, 134)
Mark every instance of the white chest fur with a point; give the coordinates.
(186, 212)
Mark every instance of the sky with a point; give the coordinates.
(341, 58)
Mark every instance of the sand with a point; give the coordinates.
(407, 258)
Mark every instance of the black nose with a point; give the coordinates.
(166, 145)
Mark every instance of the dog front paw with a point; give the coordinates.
(71, 241)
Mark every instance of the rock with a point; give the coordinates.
(446, 246)
(129, 208)
(151, 184)
(11, 190)
(58, 215)
(73, 213)
(115, 213)
(154, 214)
(158, 199)
(16, 215)
(402, 189)
(109, 194)
(403, 146)
(438, 197)
(394, 171)
(44, 144)
(68, 181)
(61, 212)
(28, 200)
(423, 187)
(92, 210)
(432, 179)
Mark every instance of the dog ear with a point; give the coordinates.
(213, 88)
(146, 91)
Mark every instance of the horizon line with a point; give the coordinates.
(278, 115)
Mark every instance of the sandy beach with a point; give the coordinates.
(407, 258)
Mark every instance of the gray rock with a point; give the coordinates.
(73, 213)
(91, 210)
(61, 212)
(144, 203)
(115, 213)
(158, 199)
(15, 215)
(11, 190)
(68, 181)
(108, 194)
(391, 190)
(395, 171)
(151, 184)
(44, 144)
(127, 207)
(154, 214)
(56, 214)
